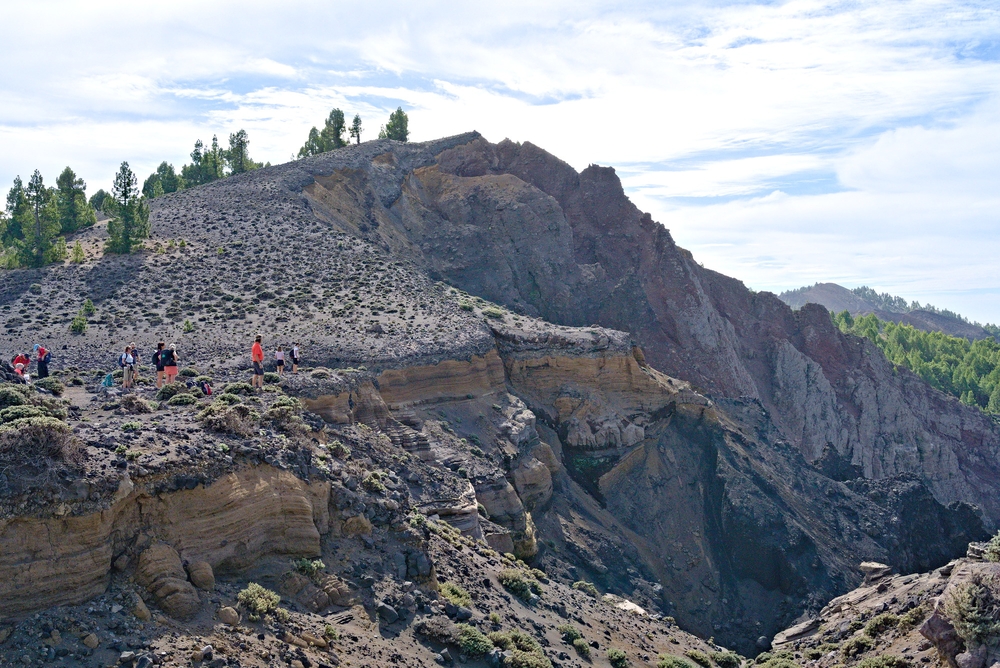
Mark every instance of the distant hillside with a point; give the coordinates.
(864, 301)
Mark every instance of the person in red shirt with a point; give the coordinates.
(42, 360)
(257, 357)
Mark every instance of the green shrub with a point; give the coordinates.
(182, 399)
(287, 402)
(515, 639)
(52, 385)
(309, 567)
(525, 650)
(519, 659)
(472, 642)
(88, 307)
(879, 624)
(45, 436)
(582, 648)
(78, 325)
(698, 657)
(519, 583)
(992, 552)
(493, 312)
(228, 399)
(271, 377)
(569, 632)
(456, 594)
(883, 661)
(258, 600)
(586, 587)
(340, 451)
(12, 413)
(238, 388)
(727, 659)
(132, 426)
(238, 419)
(671, 661)
(168, 391)
(373, 483)
(10, 395)
(782, 660)
(133, 403)
(617, 658)
(188, 372)
(331, 633)
(856, 645)
(912, 618)
(974, 609)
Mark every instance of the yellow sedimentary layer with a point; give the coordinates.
(447, 380)
(239, 518)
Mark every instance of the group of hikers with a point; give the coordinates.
(164, 360)
(22, 363)
(257, 360)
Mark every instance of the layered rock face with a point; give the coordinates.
(232, 524)
(702, 449)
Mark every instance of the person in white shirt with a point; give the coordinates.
(295, 358)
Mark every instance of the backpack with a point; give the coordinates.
(121, 361)
(109, 381)
(48, 357)
(206, 388)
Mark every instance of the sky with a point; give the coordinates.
(783, 143)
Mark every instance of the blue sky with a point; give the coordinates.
(784, 143)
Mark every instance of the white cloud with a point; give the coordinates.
(879, 112)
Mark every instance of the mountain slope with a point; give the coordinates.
(837, 298)
(673, 437)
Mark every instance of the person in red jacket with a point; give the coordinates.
(257, 358)
(42, 360)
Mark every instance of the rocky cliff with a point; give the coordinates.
(560, 380)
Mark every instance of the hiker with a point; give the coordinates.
(21, 370)
(295, 357)
(168, 358)
(257, 357)
(279, 359)
(42, 359)
(21, 359)
(127, 363)
(158, 364)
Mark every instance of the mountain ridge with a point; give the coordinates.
(648, 425)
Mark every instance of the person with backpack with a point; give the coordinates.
(127, 364)
(42, 359)
(257, 359)
(158, 364)
(168, 358)
(295, 357)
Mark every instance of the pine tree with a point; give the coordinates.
(356, 128)
(77, 256)
(313, 146)
(75, 212)
(129, 224)
(398, 126)
(17, 211)
(42, 243)
(169, 178)
(333, 134)
(206, 165)
(97, 200)
(238, 155)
